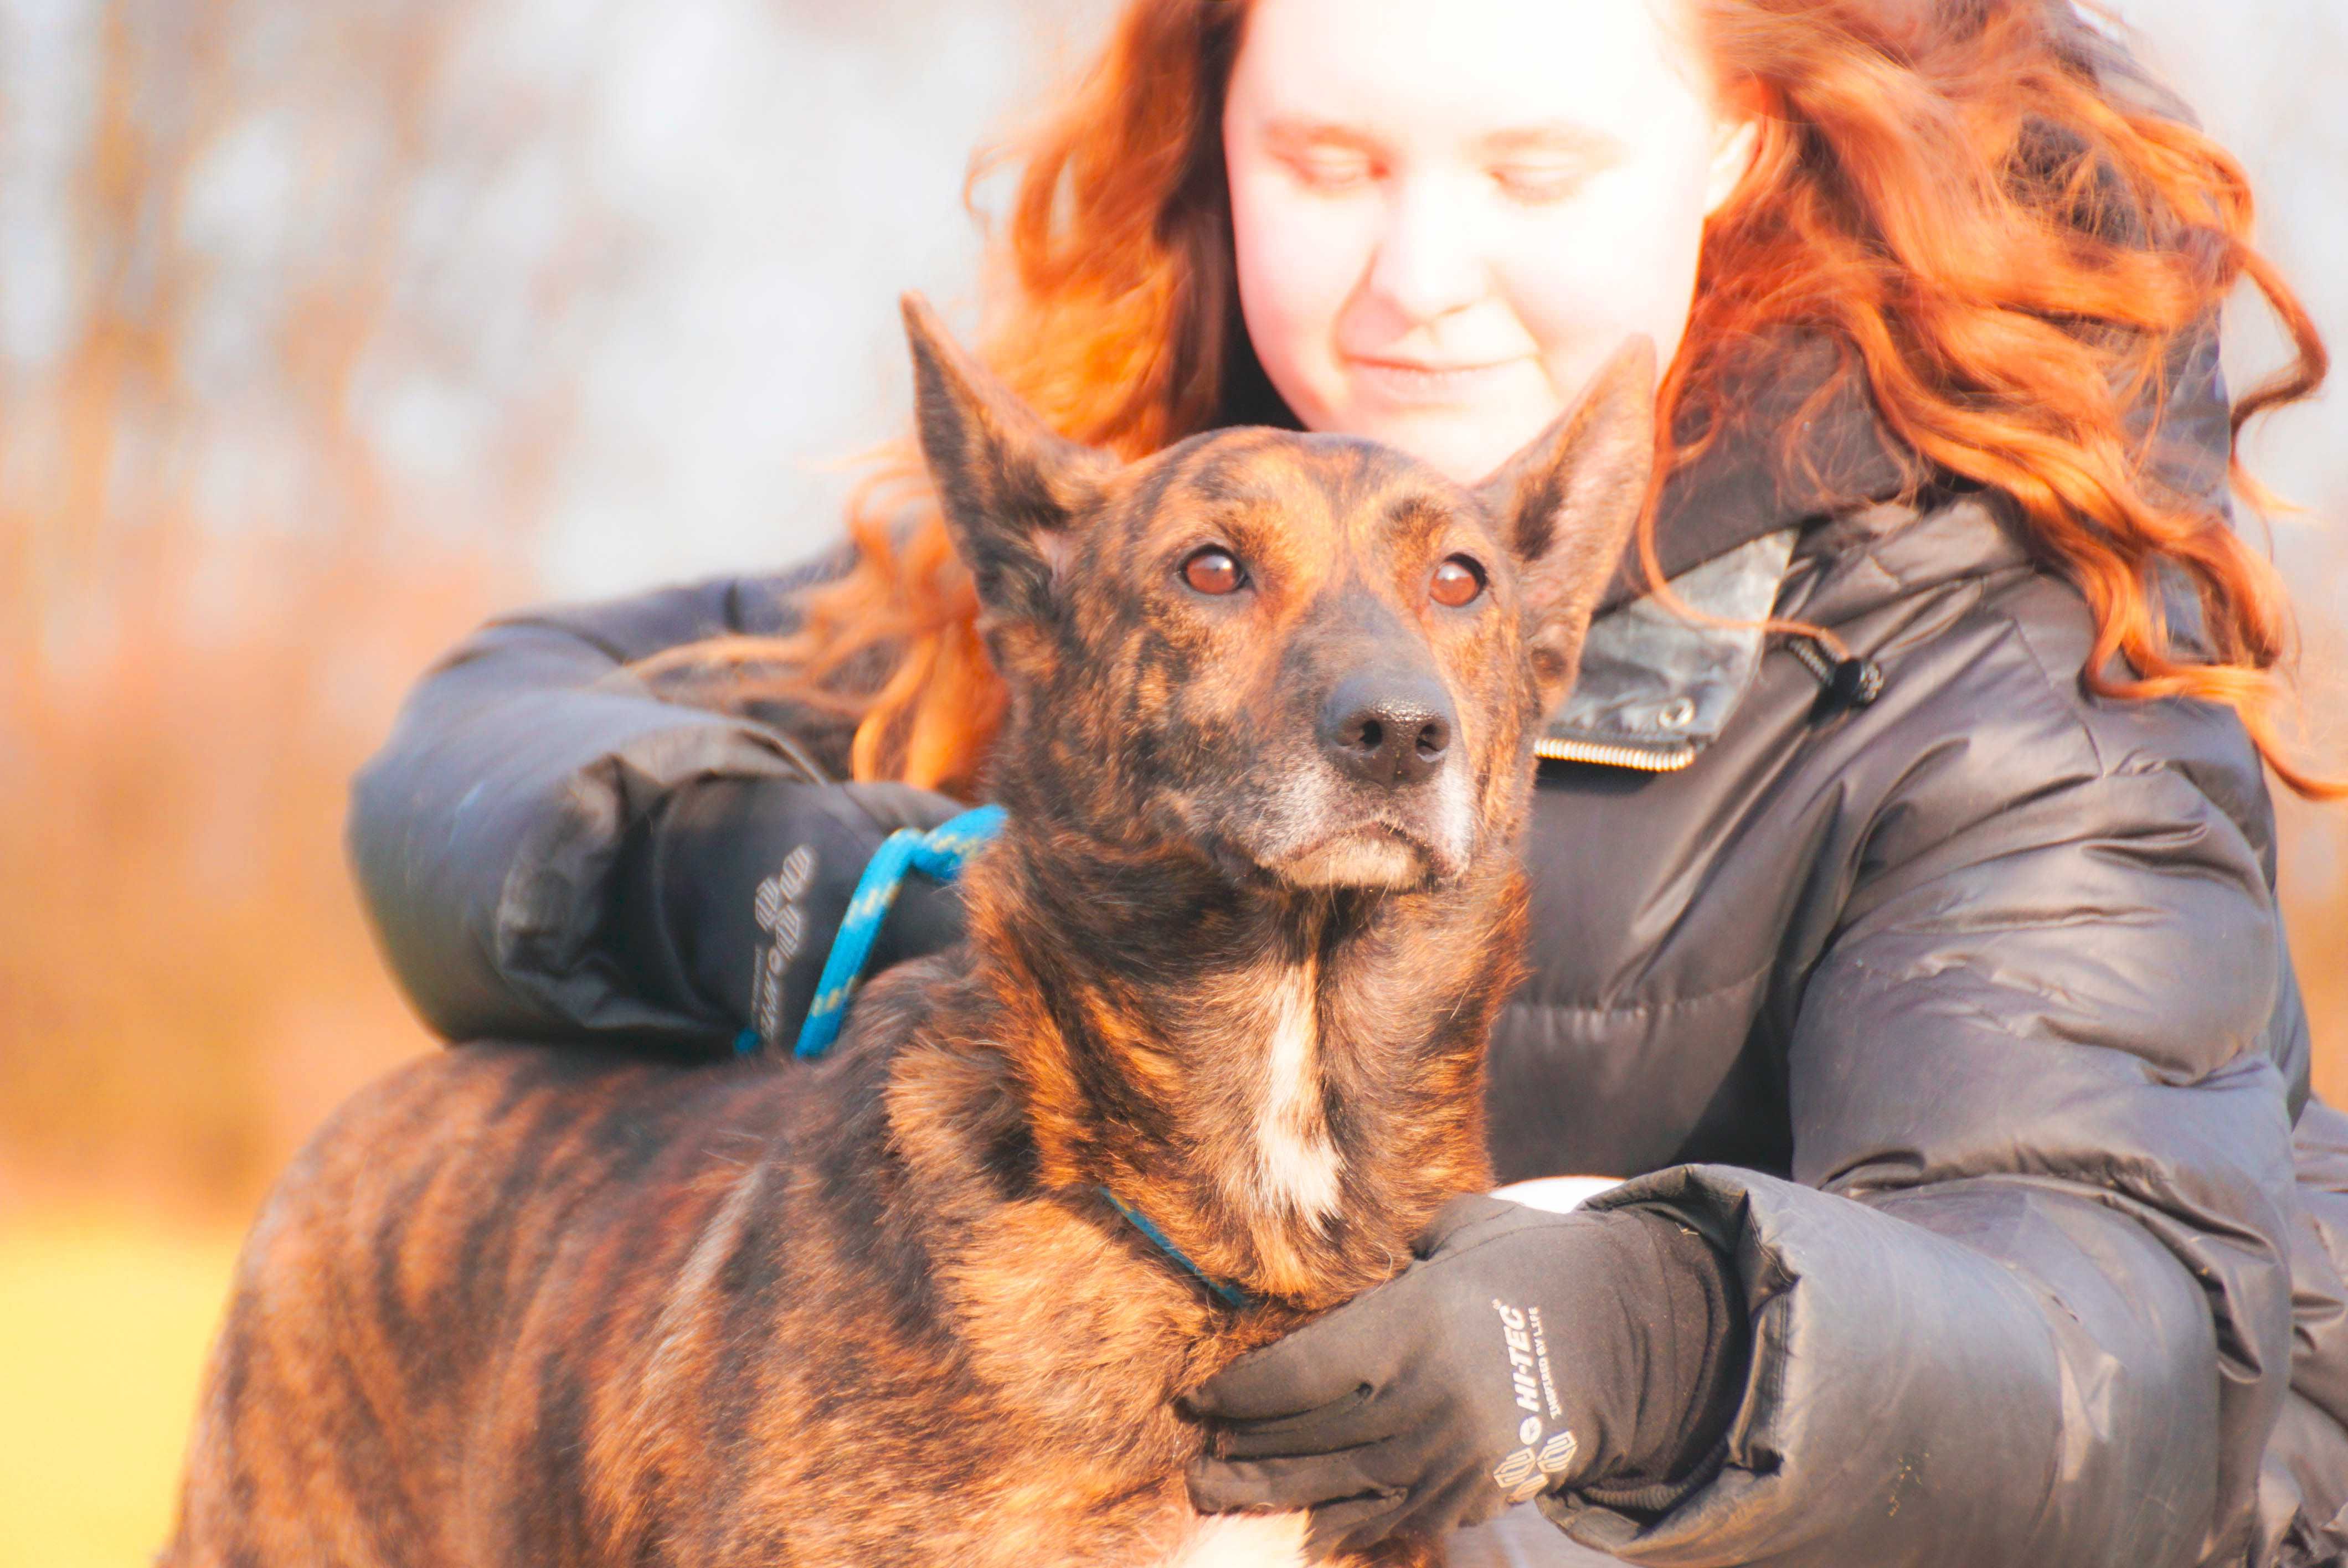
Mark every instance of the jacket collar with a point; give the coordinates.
(1801, 445)
(1657, 686)
(1810, 479)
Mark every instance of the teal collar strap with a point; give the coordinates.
(941, 854)
(1232, 1295)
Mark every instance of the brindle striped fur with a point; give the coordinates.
(521, 1306)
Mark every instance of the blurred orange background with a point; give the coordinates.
(329, 328)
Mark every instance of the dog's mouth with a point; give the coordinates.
(1305, 828)
(1374, 855)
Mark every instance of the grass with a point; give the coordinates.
(105, 1320)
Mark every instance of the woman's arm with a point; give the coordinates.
(2307, 1462)
(549, 848)
(2028, 1300)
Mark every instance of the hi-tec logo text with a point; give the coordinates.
(1529, 1471)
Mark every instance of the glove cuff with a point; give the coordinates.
(1691, 1324)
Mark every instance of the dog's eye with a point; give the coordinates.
(1457, 582)
(1214, 571)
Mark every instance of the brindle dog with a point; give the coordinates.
(1233, 960)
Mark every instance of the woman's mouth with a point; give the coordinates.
(1421, 383)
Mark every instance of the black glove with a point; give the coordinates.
(1523, 1352)
(731, 890)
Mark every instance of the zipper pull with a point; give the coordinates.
(1855, 683)
(1848, 680)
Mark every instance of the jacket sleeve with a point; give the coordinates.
(2027, 1298)
(2303, 1490)
(484, 835)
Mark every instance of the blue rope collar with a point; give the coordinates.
(940, 853)
(1231, 1294)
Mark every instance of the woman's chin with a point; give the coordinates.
(1466, 440)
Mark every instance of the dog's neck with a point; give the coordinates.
(1287, 1083)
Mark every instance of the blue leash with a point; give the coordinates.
(938, 853)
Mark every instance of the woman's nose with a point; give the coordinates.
(1429, 261)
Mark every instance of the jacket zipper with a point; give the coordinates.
(1668, 759)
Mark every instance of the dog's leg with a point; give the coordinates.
(1277, 1541)
(1243, 1541)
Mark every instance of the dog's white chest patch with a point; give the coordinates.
(1294, 1160)
(1242, 1540)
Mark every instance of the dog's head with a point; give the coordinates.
(1309, 657)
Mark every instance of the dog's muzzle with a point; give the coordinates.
(1339, 834)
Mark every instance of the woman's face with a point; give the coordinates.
(1448, 213)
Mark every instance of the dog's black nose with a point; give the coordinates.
(1387, 729)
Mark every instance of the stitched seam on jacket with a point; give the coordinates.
(2069, 708)
(1640, 1009)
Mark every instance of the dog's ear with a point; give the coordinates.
(1009, 485)
(1567, 505)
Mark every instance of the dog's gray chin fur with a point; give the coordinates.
(1368, 858)
(1309, 830)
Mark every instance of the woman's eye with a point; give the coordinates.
(1535, 185)
(1457, 582)
(1214, 570)
(1333, 172)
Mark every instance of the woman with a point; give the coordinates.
(1903, 876)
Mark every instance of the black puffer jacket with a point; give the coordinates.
(1961, 1022)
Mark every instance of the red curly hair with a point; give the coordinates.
(2008, 248)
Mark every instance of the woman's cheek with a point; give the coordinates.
(1300, 260)
(1618, 261)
